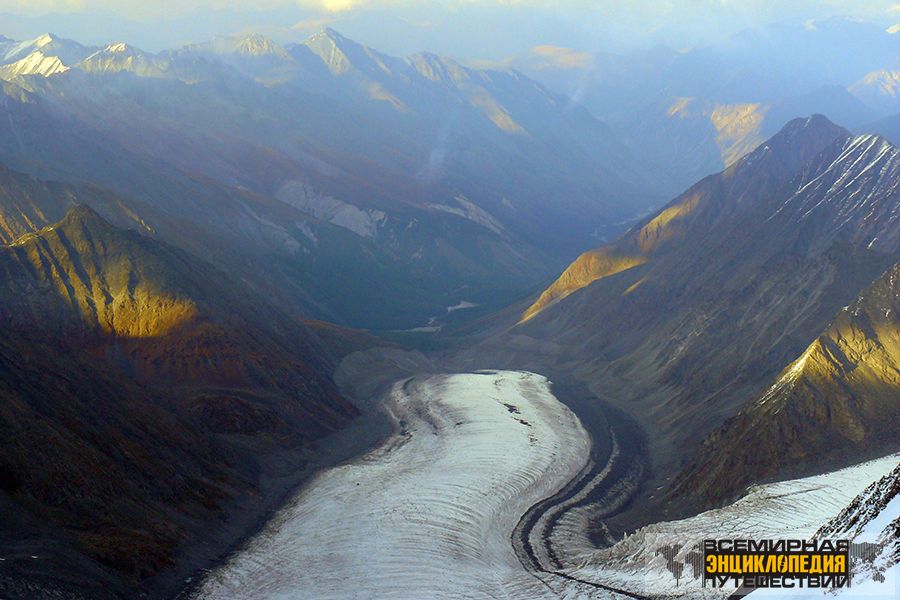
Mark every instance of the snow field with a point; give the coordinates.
(784, 510)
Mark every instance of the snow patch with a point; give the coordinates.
(461, 305)
(364, 222)
(471, 211)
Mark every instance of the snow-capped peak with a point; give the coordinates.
(327, 33)
(117, 47)
(36, 63)
(69, 52)
(250, 45)
(257, 44)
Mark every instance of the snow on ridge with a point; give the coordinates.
(789, 376)
(854, 195)
(430, 513)
(871, 522)
(794, 509)
(36, 63)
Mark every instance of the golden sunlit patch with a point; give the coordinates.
(496, 113)
(597, 264)
(634, 286)
(659, 229)
(587, 268)
(679, 107)
(739, 129)
(558, 57)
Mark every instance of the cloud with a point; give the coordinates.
(312, 24)
(333, 6)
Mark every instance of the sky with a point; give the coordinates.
(474, 29)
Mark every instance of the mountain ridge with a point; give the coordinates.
(699, 306)
(782, 155)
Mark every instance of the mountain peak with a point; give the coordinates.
(248, 45)
(36, 63)
(834, 400)
(330, 39)
(256, 44)
(796, 144)
(118, 47)
(814, 123)
(328, 33)
(43, 40)
(49, 44)
(121, 57)
(332, 48)
(435, 67)
(83, 214)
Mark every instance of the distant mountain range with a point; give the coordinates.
(664, 103)
(407, 173)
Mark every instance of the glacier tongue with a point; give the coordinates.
(430, 513)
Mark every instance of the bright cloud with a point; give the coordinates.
(333, 5)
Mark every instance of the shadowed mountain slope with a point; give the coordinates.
(837, 404)
(165, 315)
(145, 393)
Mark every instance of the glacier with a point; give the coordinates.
(434, 511)
(429, 513)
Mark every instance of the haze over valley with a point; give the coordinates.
(289, 313)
